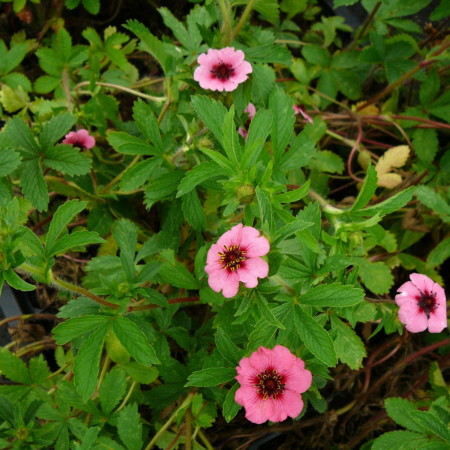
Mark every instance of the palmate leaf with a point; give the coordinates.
(68, 160)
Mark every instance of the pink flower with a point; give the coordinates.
(422, 304)
(236, 257)
(222, 70)
(251, 111)
(271, 383)
(80, 138)
(298, 110)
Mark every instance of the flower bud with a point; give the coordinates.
(245, 194)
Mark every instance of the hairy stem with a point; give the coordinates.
(243, 19)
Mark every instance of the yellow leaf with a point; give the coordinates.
(389, 180)
(370, 110)
(394, 157)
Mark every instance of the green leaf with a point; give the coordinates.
(220, 160)
(31, 240)
(439, 253)
(68, 160)
(33, 184)
(368, 189)
(14, 56)
(179, 30)
(210, 377)
(280, 104)
(226, 347)
(112, 389)
(39, 370)
(193, 211)
(198, 175)
(315, 338)
(349, 347)
(399, 440)
(149, 43)
(291, 228)
(6, 411)
(62, 217)
(92, 6)
(177, 275)
(426, 143)
(147, 124)
(316, 55)
(429, 87)
(434, 201)
(129, 426)
(141, 374)
(376, 276)
(135, 176)
(55, 129)
(13, 368)
(9, 161)
(46, 83)
(332, 295)
(327, 161)
(211, 112)
(431, 424)
(67, 331)
(399, 410)
(230, 141)
(87, 362)
(258, 131)
(130, 145)
(295, 195)
(16, 282)
(125, 234)
(267, 314)
(263, 82)
(135, 341)
(161, 187)
(75, 239)
(230, 408)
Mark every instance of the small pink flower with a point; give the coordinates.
(222, 70)
(298, 110)
(236, 257)
(251, 111)
(422, 304)
(271, 383)
(80, 138)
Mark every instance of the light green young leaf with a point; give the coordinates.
(295, 195)
(376, 276)
(16, 282)
(125, 234)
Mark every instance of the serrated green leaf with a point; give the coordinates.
(211, 112)
(129, 427)
(210, 377)
(258, 131)
(33, 184)
(92, 6)
(193, 211)
(226, 347)
(6, 411)
(13, 367)
(87, 362)
(31, 240)
(289, 229)
(426, 143)
(75, 239)
(230, 141)
(332, 295)
(376, 276)
(295, 195)
(67, 331)
(198, 175)
(349, 347)
(434, 201)
(439, 253)
(230, 408)
(147, 124)
(141, 374)
(315, 338)
(55, 129)
(399, 410)
(177, 275)
(135, 341)
(431, 424)
(161, 187)
(130, 145)
(125, 234)
(135, 176)
(68, 160)
(62, 217)
(112, 389)
(179, 30)
(39, 370)
(9, 161)
(399, 440)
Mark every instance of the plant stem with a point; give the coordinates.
(161, 431)
(388, 89)
(127, 397)
(226, 25)
(205, 440)
(243, 19)
(122, 88)
(324, 204)
(188, 437)
(362, 32)
(26, 317)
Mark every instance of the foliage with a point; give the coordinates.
(352, 194)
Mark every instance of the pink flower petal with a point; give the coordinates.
(262, 359)
(253, 269)
(422, 282)
(242, 132)
(415, 320)
(225, 281)
(260, 412)
(231, 56)
(298, 379)
(246, 372)
(289, 404)
(407, 292)
(250, 110)
(231, 237)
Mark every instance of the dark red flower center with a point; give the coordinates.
(232, 257)
(270, 384)
(427, 302)
(222, 71)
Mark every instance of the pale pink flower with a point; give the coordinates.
(236, 257)
(222, 70)
(251, 111)
(271, 383)
(422, 304)
(80, 138)
(298, 110)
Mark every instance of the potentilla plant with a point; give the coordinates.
(225, 219)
